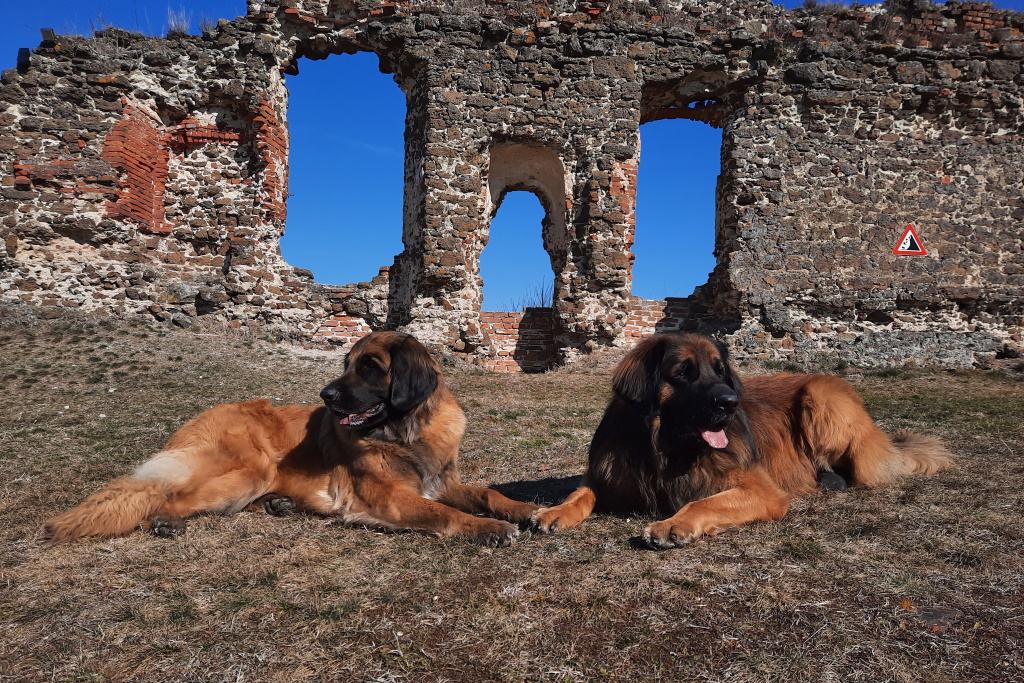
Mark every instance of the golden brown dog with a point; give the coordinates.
(382, 452)
(682, 437)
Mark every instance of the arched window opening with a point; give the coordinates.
(528, 183)
(680, 160)
(347, 125)
(515, 269)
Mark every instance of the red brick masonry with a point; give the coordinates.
(134, 145)
(521, 341)
(140, 146)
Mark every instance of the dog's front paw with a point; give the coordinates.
(493, 533)
(167, 527)
(279, 506)
(549, 520)
(522, 514)
(669, 534)
(544, 520)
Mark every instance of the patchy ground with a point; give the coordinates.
(917, 582)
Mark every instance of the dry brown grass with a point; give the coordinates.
(918, 582)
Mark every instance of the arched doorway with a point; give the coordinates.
(530, 180)
(514, 268)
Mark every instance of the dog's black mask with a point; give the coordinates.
(387, 375)
(703, 392)
(687, 381)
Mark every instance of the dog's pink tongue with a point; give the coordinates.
(345, 420)
(715, 439)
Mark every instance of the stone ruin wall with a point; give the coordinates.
(149, 176)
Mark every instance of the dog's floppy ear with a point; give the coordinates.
(637, 376)
(413, 374)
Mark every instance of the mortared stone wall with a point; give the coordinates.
(148, 176)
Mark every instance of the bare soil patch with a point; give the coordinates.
(917, 582)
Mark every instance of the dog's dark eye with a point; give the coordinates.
(719, 367)
(684, 370)
(371, 365)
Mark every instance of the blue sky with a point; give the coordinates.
(347, 122)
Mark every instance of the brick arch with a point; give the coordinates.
(518, 340)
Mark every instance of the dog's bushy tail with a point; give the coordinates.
(920, 454)
(120, 507)
(877, 459)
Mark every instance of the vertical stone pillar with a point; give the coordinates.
(436, 291)
(592, 292)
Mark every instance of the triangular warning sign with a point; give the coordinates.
(910, 244)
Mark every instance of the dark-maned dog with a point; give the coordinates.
(382, 452)
(682, 437)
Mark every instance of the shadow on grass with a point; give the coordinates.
(547, 491)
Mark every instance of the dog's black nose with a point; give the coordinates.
(724, 397)
(330, 394)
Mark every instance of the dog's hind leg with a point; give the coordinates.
(841, 436)
(877, 459)
(128, 502)
(224, 494)
(829, 480)
(275, 504)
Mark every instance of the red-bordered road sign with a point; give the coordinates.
(910, 244)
